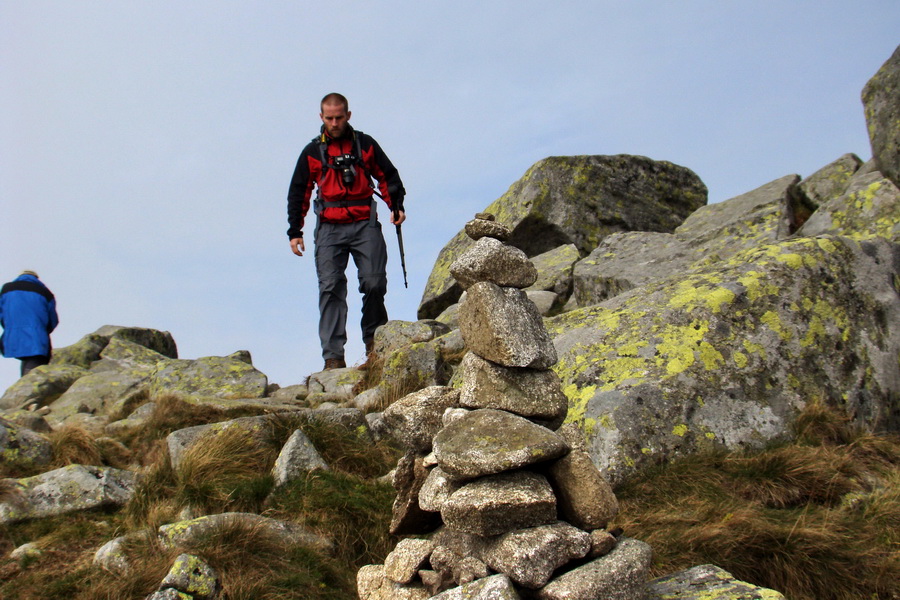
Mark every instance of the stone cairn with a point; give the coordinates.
(503, 498)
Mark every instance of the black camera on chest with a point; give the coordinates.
(346, 164)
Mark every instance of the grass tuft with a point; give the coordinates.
(816, 520)
(255, 564)
(355, 513)
(226, 470)
(371, 375)
(74, 446)
(792, 476)
(351, 452)
(153, 502)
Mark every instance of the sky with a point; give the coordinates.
(146, 147)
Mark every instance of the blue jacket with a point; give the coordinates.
(28, 315)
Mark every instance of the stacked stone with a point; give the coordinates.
(508, 496)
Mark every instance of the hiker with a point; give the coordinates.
(28, 316)
(340, 163)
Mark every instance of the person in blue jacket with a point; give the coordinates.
(28, 316)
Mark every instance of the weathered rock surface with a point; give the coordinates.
(554, 269)
(395, 335)
(122, 371)
(408, 518)
(486, 225)
(222, 376)
(495, 587)
(499, 503)
(867, 209)
(881, 98)
(489, 441)
(576, 200)
(760, 216)
(29, 419)
(530, 556)
(491, 260)
(830, 181)
(531, 393)
(706, 582)
(500, 324)
(544, 301)
(192, 575)
(710, 235)
(727, 355)
(297, 458)
(22, 447)
(372, 584)
(66, 490)
(627, 260)
(620, 575)
(111, 556)
(435, 490)
(41, 385)
(416, 366)
(584, 498)
(184, 533)
(406, 559)
(88, 348)
(416, 418)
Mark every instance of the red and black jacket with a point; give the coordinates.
(340, 203)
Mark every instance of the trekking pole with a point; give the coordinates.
(399, 239)
(400, 242)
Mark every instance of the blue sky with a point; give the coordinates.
(146, 147)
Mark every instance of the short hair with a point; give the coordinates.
(334, 98)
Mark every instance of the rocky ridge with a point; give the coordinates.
(708, 329)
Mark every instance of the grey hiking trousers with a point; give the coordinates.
(335, 243)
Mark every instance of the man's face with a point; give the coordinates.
(335, 118)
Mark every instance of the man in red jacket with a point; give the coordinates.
(340, 163)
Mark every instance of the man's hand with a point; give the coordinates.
(297, 246)
(398, 217)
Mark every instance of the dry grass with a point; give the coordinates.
(149, 562)
(372, 375)
(818, 519)
(225, 471)
(255, 564)
(74, 446)
(170, 413)
(393, 389)
(67, 544)
(9, 491)
(153, 502)
(815, 520)
(349, 452)
(793, 476)
(355, 513)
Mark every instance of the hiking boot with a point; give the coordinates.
(334, 363)
(370, 356)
